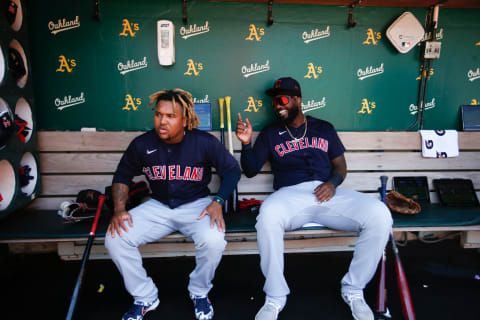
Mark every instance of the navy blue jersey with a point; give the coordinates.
(294, 161)
(177, 173)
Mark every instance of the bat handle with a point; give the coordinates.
(383, 189)
(101, 200)
(220, 102)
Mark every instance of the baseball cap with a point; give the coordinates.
(285, 86)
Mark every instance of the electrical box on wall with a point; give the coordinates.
(432, 50)
(405, 32)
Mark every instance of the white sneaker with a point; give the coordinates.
(360, 309)
(269, 311)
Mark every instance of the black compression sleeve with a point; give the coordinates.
(229, 182)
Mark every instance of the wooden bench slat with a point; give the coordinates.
(118, 141)
(263, 183)
(107, 162)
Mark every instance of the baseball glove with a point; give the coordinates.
(72, 212)
(397, 202)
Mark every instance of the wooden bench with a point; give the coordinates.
(72, 161)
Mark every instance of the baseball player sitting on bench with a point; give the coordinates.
(177, 160)
(307, 161)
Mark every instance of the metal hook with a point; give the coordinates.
(97, 10)
(184, 18)
(270, 17)
(351, 23)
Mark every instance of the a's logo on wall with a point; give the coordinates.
(69, 101)
(372, 37)
(194, 30)
(129, 28)
(194, 68)
(473, 75)
(204, 100)
(367, 106)
(315, 35)
(424, 73)
(255, 33)
(255, 68)
(66, 64)
(475, 102)
(132, 65)
(254, 105)
(63, 25)
(131, 103)
(370, 71)
(313, 105)
(429, 105)
(313, 71)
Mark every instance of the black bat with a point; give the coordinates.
(86, 253)
(404, 291)
(382, 310)
(234, 197)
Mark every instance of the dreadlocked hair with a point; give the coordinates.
(182, 97)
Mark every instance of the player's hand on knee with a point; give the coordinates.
(214, 210)
(324, 192)
(244, 130)
(117, 223)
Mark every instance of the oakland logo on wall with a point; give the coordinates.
(429, 105)
(313, 105)
(369, 72)
(194, 30)
(315, 35)
(63, 25)
(473, 75)
(255, 69)
(132, 65)
(69, 101)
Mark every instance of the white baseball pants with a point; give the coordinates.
(153, 220)
(292, 207)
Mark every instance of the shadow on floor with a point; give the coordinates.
(442, 280)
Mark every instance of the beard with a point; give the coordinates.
(292, 113)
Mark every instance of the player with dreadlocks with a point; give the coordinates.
(177, 161)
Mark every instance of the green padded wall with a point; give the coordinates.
(83, 77)
(16, 96)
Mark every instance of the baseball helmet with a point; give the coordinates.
(6, 127)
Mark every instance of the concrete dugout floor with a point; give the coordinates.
(442, 279)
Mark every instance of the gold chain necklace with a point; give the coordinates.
(304, 132)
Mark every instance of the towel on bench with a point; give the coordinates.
(439, 143)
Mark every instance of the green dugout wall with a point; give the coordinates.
(91, 73)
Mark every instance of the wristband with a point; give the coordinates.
(218, 200)
(247, 146)
(336, 179)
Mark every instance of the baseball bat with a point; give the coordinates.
(404, 291)
(228, 100)
(222, 140)
(382, 310)
(86, 253)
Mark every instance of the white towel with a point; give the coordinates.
(439, 143)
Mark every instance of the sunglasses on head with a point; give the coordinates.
(283, 100)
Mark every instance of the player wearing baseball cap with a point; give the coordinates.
(308, 164)
(177, 161)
